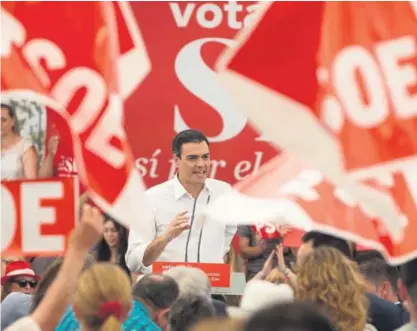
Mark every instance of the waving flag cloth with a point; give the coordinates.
(335, 85)
(66, 56)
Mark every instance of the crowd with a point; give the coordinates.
(330, 287)
(105, 280)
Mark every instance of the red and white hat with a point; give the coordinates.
(18, 268)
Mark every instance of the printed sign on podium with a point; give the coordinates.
(218, 273)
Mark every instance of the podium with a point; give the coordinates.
(236, 287)
(222, 280)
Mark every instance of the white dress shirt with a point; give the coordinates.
(168, 200)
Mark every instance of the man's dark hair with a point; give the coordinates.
(377, 270)
(49, 276)
(409, 278)
(159, 291)
(189, 310)
(187, 136)
(297, 316)
(320, 239)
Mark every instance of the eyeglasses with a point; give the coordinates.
(23, 283)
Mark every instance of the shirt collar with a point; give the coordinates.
(180, 191)
(141, 307)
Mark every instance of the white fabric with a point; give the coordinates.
(24, 324)
(168, 200)
(369, 327)
(21, 272)
(12, 160)
(412, 326)
(260, 294)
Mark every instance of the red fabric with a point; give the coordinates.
(110, 308)
(15, 266)
(355, 73)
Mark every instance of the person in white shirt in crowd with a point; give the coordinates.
(177, 232)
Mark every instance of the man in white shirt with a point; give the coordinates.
(178, 232)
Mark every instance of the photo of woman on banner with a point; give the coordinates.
(36, 142)
(19, 158)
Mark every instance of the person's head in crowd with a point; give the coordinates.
(113, 245)
(191, 150)
(298, 316)
(19, 277)
(315, 239)
(191, 281)
(9, 124)
(157, 293)
(408, 287)
(103, 297)
(49, 276)
(15, 306)
(189, 310)
(329, 278)
(381, 278)
(259, 294)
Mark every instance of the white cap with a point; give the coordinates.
(259, 294)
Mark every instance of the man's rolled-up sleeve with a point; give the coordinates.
(138, 242)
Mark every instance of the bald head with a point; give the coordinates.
(159, 291)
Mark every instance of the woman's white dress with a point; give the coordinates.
(12, 160)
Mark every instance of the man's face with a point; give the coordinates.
(23, 284)
(384, 290)
(304, 250)
(194, 163)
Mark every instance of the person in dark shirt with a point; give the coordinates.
(255, 250)
(381, 278)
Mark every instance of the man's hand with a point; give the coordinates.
(179, 224)
(90, 229)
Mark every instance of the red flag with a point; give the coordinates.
(335, 84)
(72, 68)
(308, 201)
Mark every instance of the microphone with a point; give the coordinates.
(201, 234)
(189, 231)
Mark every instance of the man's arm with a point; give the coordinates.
(248, 252)
(157, 246)
(155, 249)
(138, 242)
(146, 248)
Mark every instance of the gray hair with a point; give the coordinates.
(191, 281)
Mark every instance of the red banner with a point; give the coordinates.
(40, 215)
(76, 72)
(343, 101)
